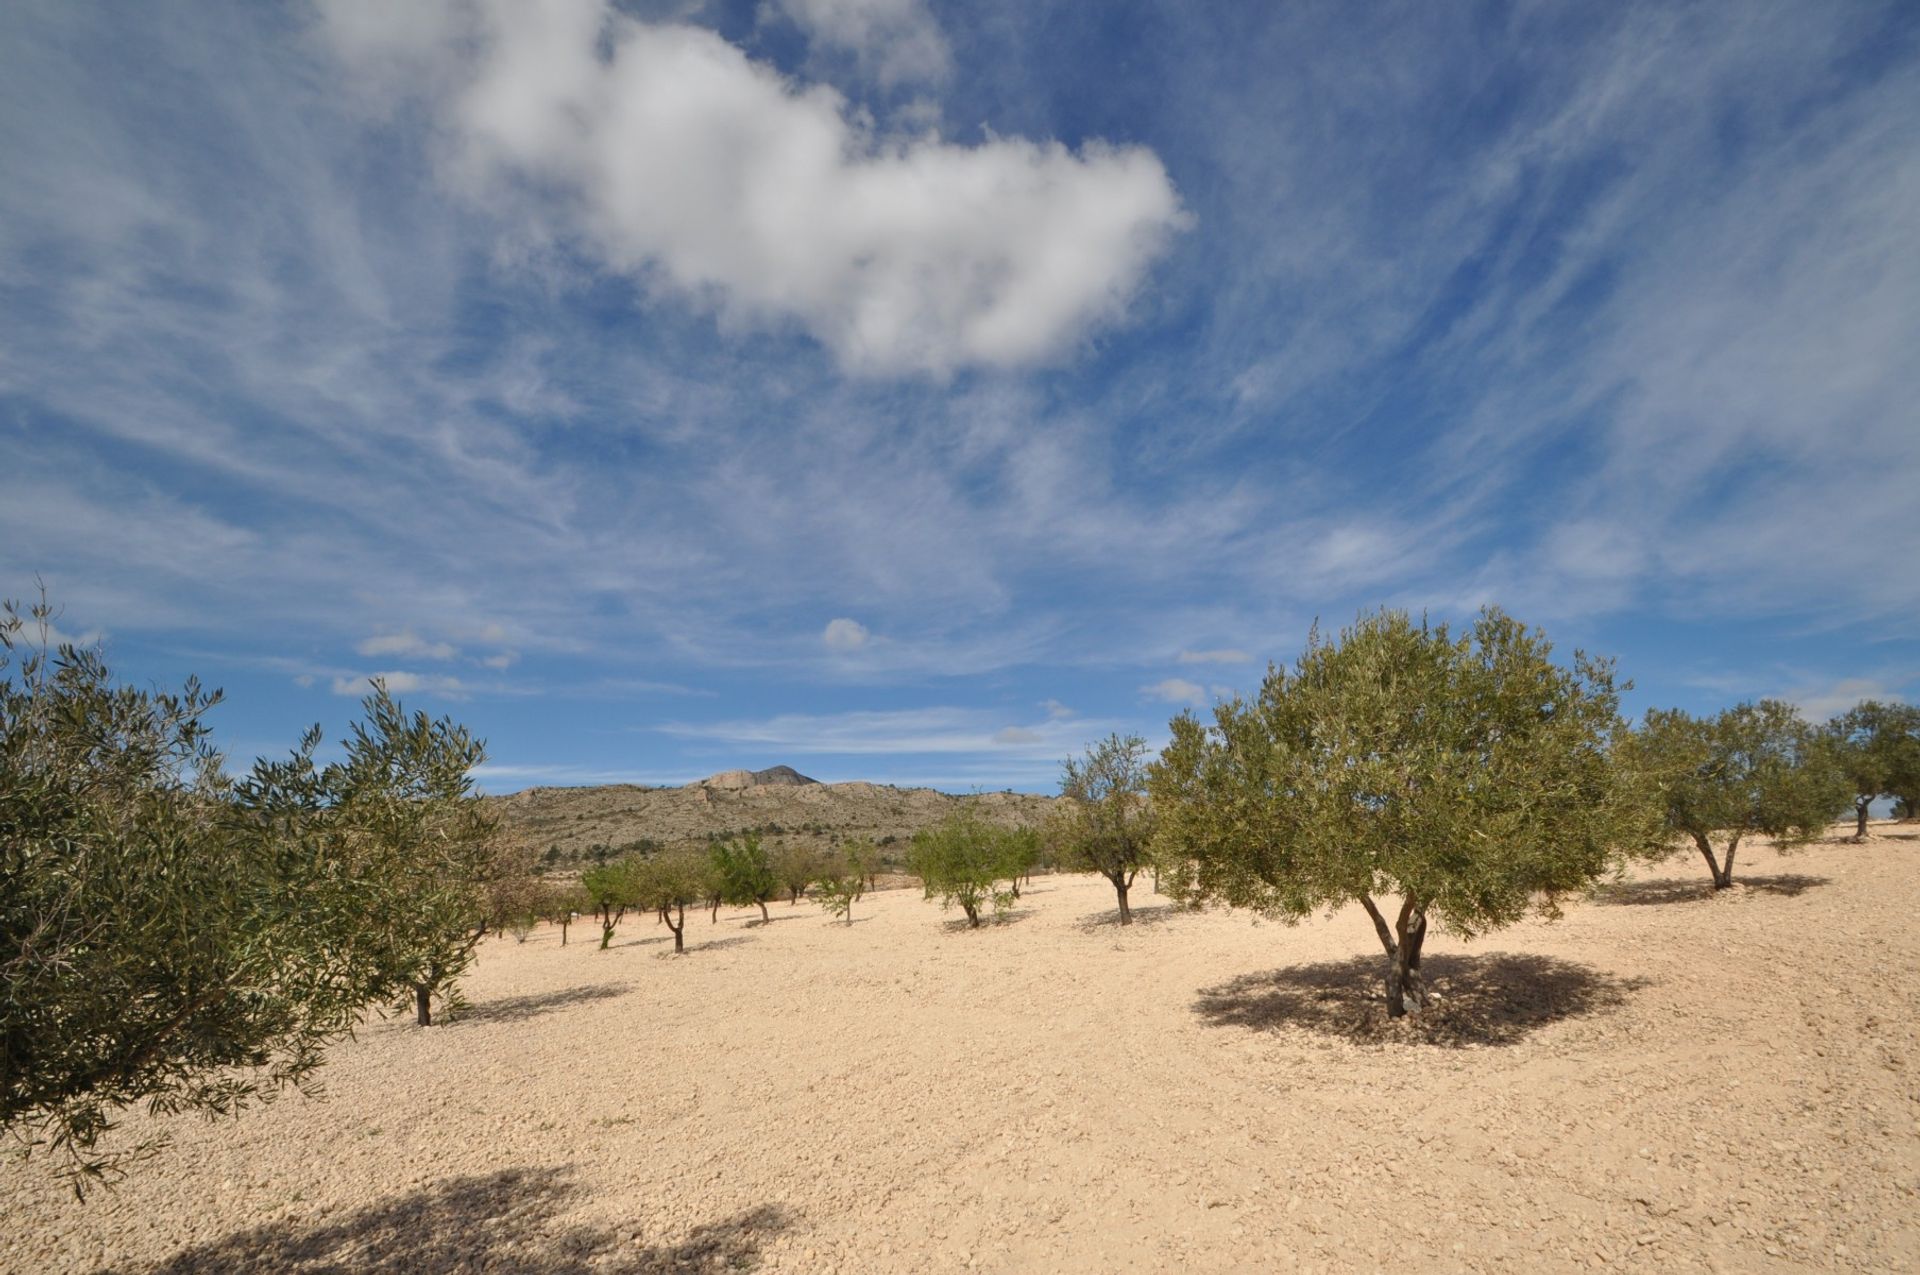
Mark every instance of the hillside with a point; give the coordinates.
(784, 806)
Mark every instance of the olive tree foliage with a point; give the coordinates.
(668, 882)
(840, 879)
(796, 866)
(1878, 747)
(172, 938)
(965, 862)
(1104, 822)
(612, 888)
(398, 822)
(1472, 777)
(744, 873)
(560, 904)
(1019, 852)
(1751, 769)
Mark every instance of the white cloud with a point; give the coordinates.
(845, 635)
(1222, 656)
(1055, 709)
(400, 682)
(305, 680)
(407, 643)
(503, 660)
(896, 41)
(1827, 700)
(691, 168)
(893, 732)
(1177, 690)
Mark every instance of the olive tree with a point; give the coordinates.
(1104, 822)
(744, 873)
(611, 888)
(840, 882)
(168, 936)
(1878, 747)
(562, 903)
(963, 861)
(1471, 776)
(668, 882)
(1753, 768)
(796, 866)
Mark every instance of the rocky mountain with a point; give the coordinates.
(779, 803)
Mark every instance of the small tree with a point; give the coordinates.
(840, 884)
(796, 866)
(1105, 822)
(562, 903)
(669, 882)
(1019, 851)
(516, 895)
(962, 861)
(744, 872)
(1878, 746)
(612, 888)
(1472, 776)
(1754, 768)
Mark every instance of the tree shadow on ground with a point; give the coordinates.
(988, 920)
(1150, 915)
(1498, 998)
(756, 922)
(713, 945)
(1698, 889)
(506, 1221)
(513, 1009)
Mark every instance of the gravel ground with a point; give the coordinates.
(1662, 1080)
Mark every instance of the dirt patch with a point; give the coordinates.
(1694, 1082)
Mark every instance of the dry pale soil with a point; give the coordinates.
(1663, 1080)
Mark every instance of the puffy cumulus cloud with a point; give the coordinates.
(1222, 656)
(1176, 690)
(845, 635)
(896, 41)
(407, 643)
(669, 156)
(400, 682)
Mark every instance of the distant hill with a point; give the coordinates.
(784, 806)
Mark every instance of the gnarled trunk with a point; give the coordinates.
(423, 1004)
(1721, 872)
(1406, 989)
(1860, 811)
(764, 918)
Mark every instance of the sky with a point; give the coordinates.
(918, 392)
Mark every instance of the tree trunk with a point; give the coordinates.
(563, 933)
(1722, 874)
(764, 918)
(680, 930)
(1126, 913)
(715, 918)
(422, 1005)
(1860, 810)
(973, 914)
(1406, 990)
(606, 935)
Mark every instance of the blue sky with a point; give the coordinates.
(916, 392)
